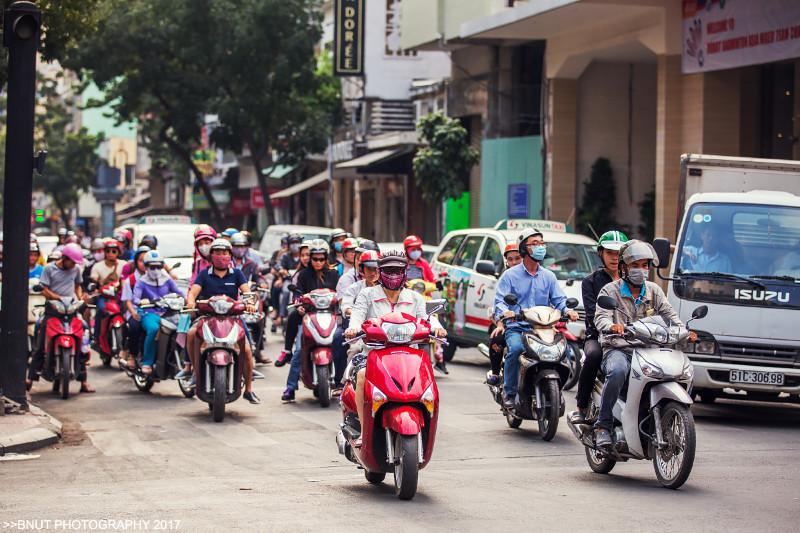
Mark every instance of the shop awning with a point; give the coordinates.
(278, 171)
(370, 158)
(313, 181)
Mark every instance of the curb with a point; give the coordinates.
(48, 432)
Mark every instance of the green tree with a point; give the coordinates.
(71, 153)
(599, 201)
(275, 99)
(66, 23)
(442, 167)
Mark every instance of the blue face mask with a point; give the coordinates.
(337, 246)
(537, 252)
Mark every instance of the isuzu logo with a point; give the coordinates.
(761, 295)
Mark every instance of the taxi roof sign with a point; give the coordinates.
(166, 219)
(522, 223)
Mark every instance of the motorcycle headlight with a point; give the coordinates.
(660, 336)
(378, 399)
(322, 302)
(74, 307)
(551, 354)
(427, 399)
(175, 304)
(652, 371)
(221, 307)
(59, 306)
(399, 333)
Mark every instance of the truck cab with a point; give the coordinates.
(739, 254)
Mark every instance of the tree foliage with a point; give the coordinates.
(167, 63)
(443, 166)
(65, 24)
(71, 153)
(599, 201)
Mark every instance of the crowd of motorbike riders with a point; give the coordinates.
(367, 283)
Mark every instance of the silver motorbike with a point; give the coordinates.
(653, 421)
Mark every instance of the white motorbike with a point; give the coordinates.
(653, 421)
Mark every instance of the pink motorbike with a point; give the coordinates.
(219, 369)
(316, 344)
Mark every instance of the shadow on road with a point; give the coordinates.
(750, 414)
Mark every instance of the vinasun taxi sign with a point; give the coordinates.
(523, 223)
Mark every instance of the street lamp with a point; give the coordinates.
(23, 19)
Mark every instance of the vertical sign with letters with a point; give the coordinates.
(348, 42)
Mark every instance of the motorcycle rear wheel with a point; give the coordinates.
(116, 345)
(324, 385)
(143, 383)
(406, 471)
(376, 478)
(512, 421)
(674, 463)
(575, 365)
(66, 359)
(220, 393)
(599, 464)
(548, 419)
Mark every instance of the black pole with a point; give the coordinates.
(21, 32)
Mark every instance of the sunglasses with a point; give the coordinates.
(318, 259)
(111, 250)
(154, 267)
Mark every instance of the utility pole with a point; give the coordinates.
(21, 34)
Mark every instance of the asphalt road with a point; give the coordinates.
(274, 467)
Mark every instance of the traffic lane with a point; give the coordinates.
(159, 455)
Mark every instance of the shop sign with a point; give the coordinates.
(348, 38)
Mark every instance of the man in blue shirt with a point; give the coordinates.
(533, 285)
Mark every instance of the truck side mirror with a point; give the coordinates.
(700, 312)
(661, 246)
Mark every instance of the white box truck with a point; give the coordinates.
(738, 252)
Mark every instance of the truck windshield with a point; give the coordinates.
(571, 261)
(746, 240)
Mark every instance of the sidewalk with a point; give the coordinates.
(26, 431)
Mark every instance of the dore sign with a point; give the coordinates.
(349, 38)
(721, 34)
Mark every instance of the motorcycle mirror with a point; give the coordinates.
(434, 306)
(37, 288)
(91, 287)
(607, 302)
(176, 265)
(439, 286)
(700, 312)
(510, 299)
(293, 288)
(572, 303)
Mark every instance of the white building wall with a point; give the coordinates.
(389, 75)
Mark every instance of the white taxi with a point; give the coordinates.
(470, 261)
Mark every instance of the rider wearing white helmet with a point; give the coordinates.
(637, 298)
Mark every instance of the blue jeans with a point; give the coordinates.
(616, 366)
(150, 324)
(292, 382)
(134, 330)
(511, 366)
(99, 312)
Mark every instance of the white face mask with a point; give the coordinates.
(637, 276)
(415, 254)
(99, 256)
(204, 249)
(153, 275)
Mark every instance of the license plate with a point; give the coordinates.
(755, 377)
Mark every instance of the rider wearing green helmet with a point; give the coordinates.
(608, 246)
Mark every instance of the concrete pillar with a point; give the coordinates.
(796, 113)
(356, 213)
(669, 115)
(562, 157)
(381, 218)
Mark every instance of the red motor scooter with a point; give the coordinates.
(219, 368)
(112, 324)
(316, 342)
(63, 344)
(401, 403)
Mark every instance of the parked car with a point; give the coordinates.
(271, 241)
(470, 293)
(175, 236)
(427, 249)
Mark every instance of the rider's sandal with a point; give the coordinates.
(147, 369)
(85, 387)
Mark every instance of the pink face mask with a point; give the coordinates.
(392, 280)
(221, 262)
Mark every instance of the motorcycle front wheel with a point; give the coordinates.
(324, 385)
(406, 471)
(549, 413)
(673, 463)
(220, 393)
(375, 477)
(143, 383)
(66, 360)
(574, 363)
